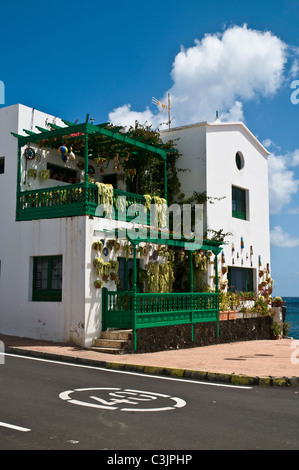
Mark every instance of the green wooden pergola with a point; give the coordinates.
(86, 131)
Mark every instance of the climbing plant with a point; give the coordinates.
(159, 278)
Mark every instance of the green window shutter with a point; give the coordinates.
(239, 203)
(47, 278)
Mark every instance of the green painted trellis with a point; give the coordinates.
(73, 131)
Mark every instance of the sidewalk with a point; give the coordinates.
(266, 362)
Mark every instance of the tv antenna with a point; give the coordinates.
(164, 107)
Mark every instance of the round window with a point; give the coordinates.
(239, 160)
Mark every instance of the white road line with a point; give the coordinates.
(12, 426)
(212, 384)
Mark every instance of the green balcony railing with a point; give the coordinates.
(128, 310)
(70, 200)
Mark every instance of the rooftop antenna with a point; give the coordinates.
(217, 117)
(164, 107)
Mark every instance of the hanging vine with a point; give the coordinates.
(159, 278)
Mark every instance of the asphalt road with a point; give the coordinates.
(52, 405)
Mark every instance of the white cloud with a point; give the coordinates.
(220, 72)
(294, 211)
(294, 157)
(282, 182)
(283, 239)
(268, 143)
(125, 117)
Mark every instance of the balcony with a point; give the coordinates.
(91, 144)
(72, 200)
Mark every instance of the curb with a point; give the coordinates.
(234, 379)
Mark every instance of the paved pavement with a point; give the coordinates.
(264, 362)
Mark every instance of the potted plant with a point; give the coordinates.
(99, 160)
(130, 173)
(114, 265)
(277, 302)
(224, 269)
(276, 330)
(32, 173)
(44, 175)
(286, 328)
(97, 246)
(98, 284)
(110, 244)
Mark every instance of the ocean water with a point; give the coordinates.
(292, 315)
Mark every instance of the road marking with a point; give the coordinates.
(12, 426)
(211, 384)
(112, 398)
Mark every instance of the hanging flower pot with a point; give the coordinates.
(110, 244)
(32, 173)
(99, 160)
(98, 284)
(80, 165)
(105, 277)
(224, 270)
(97, 246)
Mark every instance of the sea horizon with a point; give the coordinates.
(292, 315)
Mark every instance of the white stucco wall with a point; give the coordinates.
(191, 142)
(223, 142)
(21, 241)
(209, 151)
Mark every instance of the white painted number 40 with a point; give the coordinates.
(123, 400)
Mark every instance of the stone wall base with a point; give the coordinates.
(180, 336)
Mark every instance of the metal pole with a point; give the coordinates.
(134, 295)
(191, 290)
(165, 179)
(217, 290)
(86, 158)
(19, 181)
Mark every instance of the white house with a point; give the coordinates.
(229, 164)
(50, 283)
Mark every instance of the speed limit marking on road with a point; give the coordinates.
(121, 399)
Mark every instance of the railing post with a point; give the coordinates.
(217, 289)
(134, 300)
(191, 290)
(19, 182)
(104, 308)
(86, 183)
(165, 180)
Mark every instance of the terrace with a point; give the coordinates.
(95, 162)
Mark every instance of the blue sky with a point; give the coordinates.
(109, 59)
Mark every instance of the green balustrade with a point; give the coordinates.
(76, 199)
(145, 310)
